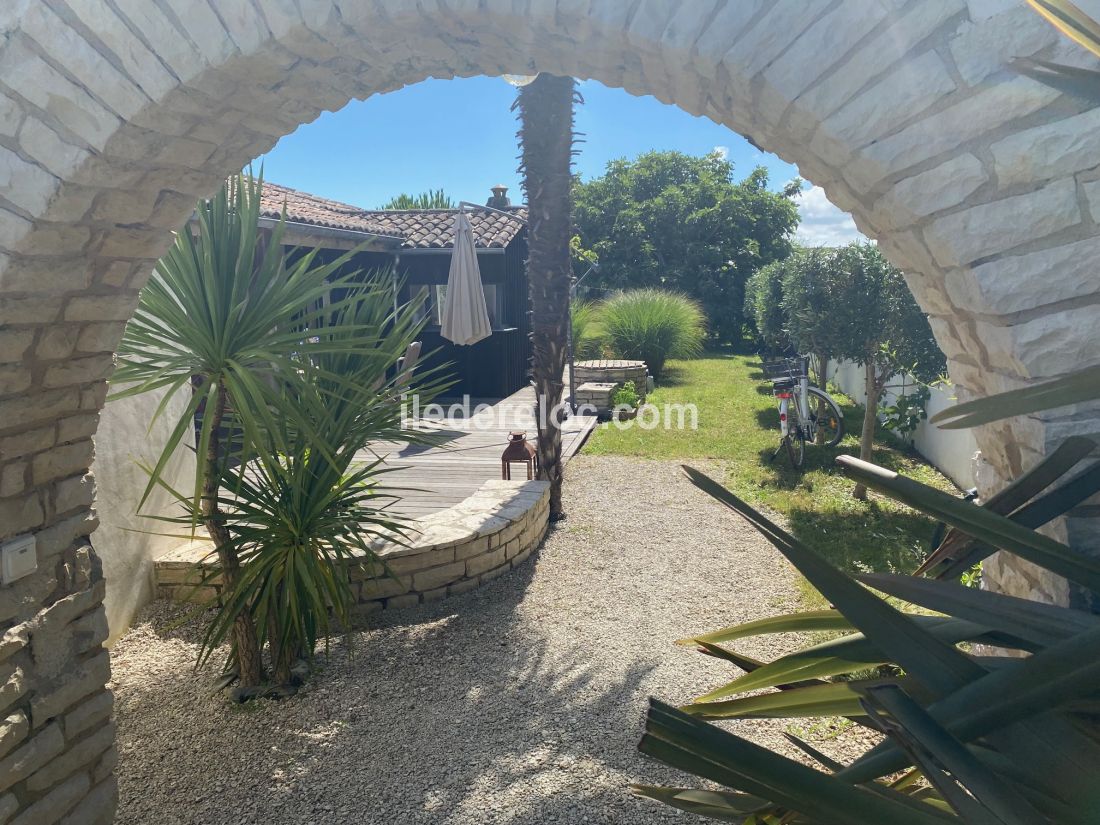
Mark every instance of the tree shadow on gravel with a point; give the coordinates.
(458, 711)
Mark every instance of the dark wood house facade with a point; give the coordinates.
(416, 245)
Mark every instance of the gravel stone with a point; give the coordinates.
(521, 702)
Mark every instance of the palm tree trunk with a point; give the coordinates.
(546, 139)
(246, 646)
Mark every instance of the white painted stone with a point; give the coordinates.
(878, 55)
(980, 49)
(1025, 282)
(942, 187)
(901, 95)
(72, 52)
(40, 142)
(1092, 195)
(1050, 150)
(24, 184)
(175, 51)
(1048, 344)
(991, 228)
(142, 66)
(954, 126)
(823, 45)
(40, 83)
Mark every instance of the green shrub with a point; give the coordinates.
(626, 396)
(587, 333)
(653, 325)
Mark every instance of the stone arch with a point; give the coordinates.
(115, 116)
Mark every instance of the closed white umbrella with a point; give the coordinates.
(465, 319)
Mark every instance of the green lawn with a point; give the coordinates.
(738, 424)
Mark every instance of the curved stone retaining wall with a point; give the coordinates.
(455, 550)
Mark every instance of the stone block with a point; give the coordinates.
(78, 681)
(33, 407)
(17, 515)
(1025, 282)
(13, 684)
(472, 548)
(75, 756)
(434, 595)
(880, 110)
(1051, 150)
(13, 479)
(14, 378)
(106, 764)
(496, 572)
(118, 307)
(57, 341)
(98, 807)
(984, 230)
(77, 427)
(49, 90)
(462, 586)
(407, 600)
(1092, 194)
(13, 730)
(56, 803)
(32, 755)
(522, 556)
(27, 442)
(480, 564)
(420, 561)
(14, 344)
(64, 460)
(950, 128)
(438, 576)
(382, 588)
(25, 184)
(87, 714)
(942, 187)
(74, 492)
(13, 640)
(101, 337)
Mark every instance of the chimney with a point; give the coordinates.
(499, 200)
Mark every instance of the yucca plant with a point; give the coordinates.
(226, 320)
(975, 735)
(653, 325)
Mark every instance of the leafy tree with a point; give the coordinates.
(878, 325)
(814, 292)
(432, 199)
(763, 308)
(671, 221)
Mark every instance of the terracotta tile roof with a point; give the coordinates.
(302, 207)
(434, 228)
(415, 228)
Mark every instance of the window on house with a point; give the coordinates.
(494, 303)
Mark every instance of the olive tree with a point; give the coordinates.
(877, 324)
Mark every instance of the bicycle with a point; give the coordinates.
(802, 421)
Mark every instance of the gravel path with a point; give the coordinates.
(518, 703)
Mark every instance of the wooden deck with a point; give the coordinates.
(432, 478)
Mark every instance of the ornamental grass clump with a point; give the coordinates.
(653, 325)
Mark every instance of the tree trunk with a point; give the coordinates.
(870, 419)
(546, 140)
(822, 375)
(246, 646)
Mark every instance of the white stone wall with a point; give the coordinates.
(128, 542)
(984, 186)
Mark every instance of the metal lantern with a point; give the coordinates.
(518, 451)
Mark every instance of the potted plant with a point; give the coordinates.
(624, 402)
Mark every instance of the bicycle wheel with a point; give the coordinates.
(795, 441)
(828, 419)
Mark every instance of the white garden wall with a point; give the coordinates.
(124, 540)
(951, 451)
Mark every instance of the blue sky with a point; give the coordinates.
(459, 135)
